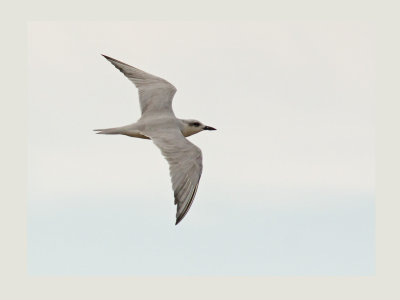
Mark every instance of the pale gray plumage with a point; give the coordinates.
(158, 122)
(155, 93)
(185, 165)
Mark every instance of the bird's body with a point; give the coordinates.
(144, 124)
(158, 123)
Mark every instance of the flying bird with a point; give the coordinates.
(158, 123)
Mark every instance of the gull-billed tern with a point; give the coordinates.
(158, 123)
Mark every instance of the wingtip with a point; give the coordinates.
(179, 219)
(185, 211)
(105, 56)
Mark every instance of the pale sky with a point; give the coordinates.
(288, 177)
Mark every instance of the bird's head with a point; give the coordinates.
(191, 127)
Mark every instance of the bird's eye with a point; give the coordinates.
(196, 124)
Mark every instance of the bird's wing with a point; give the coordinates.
(155, 93)
(185, 165)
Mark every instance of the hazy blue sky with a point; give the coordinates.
(288, 178)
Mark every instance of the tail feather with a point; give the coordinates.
(116, 130)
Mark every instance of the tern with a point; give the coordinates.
(158, 123)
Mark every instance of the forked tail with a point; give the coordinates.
(116, 130)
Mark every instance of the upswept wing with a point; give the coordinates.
(155, 93)
(185, 165)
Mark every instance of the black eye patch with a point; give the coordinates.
(196, 124)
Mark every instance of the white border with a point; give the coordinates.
(15, 284)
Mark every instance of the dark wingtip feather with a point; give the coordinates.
(188, 205)
(180, 218)
(108, 58)
(113, 61)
